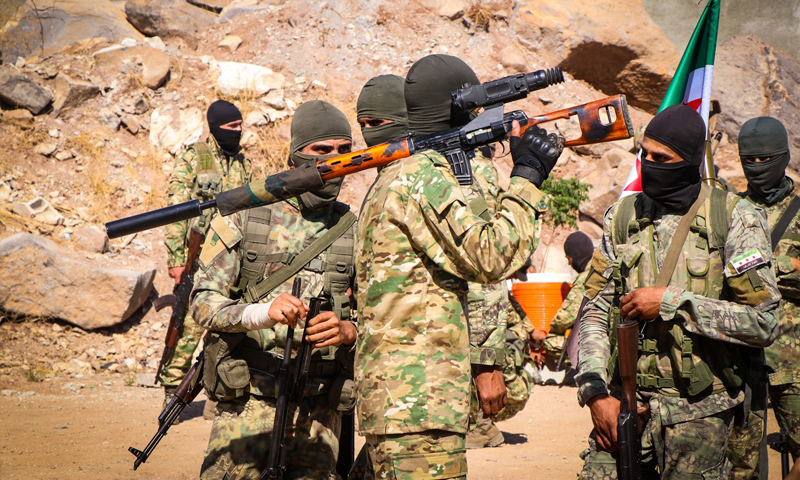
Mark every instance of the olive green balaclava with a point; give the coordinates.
(382, 97)
(316, 121)
(427, 92)
(765, 137)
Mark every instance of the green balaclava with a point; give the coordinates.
(427, 92)
(382, 97)
(765, 137)
(316, 121)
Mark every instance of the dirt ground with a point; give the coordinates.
(65, 429)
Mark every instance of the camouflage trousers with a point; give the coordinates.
(434, 454)
(689, 450)
(554, 345)
(181, 361)
(241, 434)
(744, 447)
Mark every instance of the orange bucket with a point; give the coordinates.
(541, 296)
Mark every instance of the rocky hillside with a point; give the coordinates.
(99, 96)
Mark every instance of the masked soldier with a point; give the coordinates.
(242, 294)
(419, 243)
(699, 304)
(764, 152)
(203, 171)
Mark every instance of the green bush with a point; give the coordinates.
(566, 196)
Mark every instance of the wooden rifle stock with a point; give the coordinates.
(603, 120)
(628, 421)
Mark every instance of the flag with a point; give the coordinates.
(691, 84)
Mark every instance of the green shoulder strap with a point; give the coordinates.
(626, 211)
(719, 217)
(253, 293)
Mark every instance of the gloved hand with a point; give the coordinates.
(535, 154)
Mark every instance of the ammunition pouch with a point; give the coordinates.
(342, 395)
(224, 377)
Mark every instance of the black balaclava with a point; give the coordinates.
(675, 185)
(382, 97)
(221, 113)
(579, 247)
(427, 92)
(765, 137)
(315, 121)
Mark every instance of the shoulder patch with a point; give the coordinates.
(743, 263)
(226, 230)
(211, 248)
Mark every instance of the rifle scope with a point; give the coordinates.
(506, 89)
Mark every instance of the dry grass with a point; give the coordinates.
(382, 15)
(245, 100)
(270, 152)
(97, 175)
(151, 162)
(480, 15)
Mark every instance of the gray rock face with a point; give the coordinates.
(20, 91)
(168, 18)
(38, 279)
(71, 93)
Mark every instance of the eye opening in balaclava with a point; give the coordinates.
(765, 137)
(219, 113)
(382, 97)
(675, 185)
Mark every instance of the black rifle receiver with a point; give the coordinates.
(505, 89)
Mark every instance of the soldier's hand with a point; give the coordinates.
(535, 153)
(326, 330)
(605, 411)
(491, 387)
(285, 309)
(641, 304)
(176, 273)
(796, 264)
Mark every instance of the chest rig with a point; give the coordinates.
(673, 361)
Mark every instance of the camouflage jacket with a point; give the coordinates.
(291, 230)
(713, 324)
(235, 172)
(566, 315)
(488, 304)
(783, 356)
(418, 244)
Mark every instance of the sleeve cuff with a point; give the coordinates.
(673, 298)
(484, 356)
(176, 261)
(527, 192)
(590, 388)
(783, 263)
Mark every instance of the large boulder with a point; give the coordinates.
(38, 279)
(168, 18)
(71, 93)
(752, 79)
(611, 44)
(173, 129)
(20, 91)
(237, 79)
(63, 23)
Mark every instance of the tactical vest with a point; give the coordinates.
(237, 362)
(207, 181)
(697, 364)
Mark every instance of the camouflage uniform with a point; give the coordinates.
(565, 318)
(707, 312)
(240, 436)
(782, 357)
(183, 186)
(497, 334)
(418, 244)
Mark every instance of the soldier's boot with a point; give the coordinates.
(209, 409)
(169, 392)
(484, 434)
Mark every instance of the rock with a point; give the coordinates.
(46, 148)
(155, 69)
(231, 42)
(39, 210)
(450, 9)
(20, 91)
(275, 115)
(638, 62)
(63, 156)
(168, 18)
(130, 123)
(155, 42)
(136, 104)
(36, 278)
(67, 22)
(71, 93)
(241, 7)
(108, 118)
(274, 99)
(91, 238)
(173, 129)
(21, 117)
(256, 118)
(237, 78)
(752, 79)
(215, 6)
(513, 58)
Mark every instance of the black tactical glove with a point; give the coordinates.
(535, 154)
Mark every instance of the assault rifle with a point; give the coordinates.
(290, 390)
(781, 445)
(186, 392)
(181, 292)
(628, 420)
(600, 121)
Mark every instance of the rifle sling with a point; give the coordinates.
(783, 223)
(674, 251)
(262, 288)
